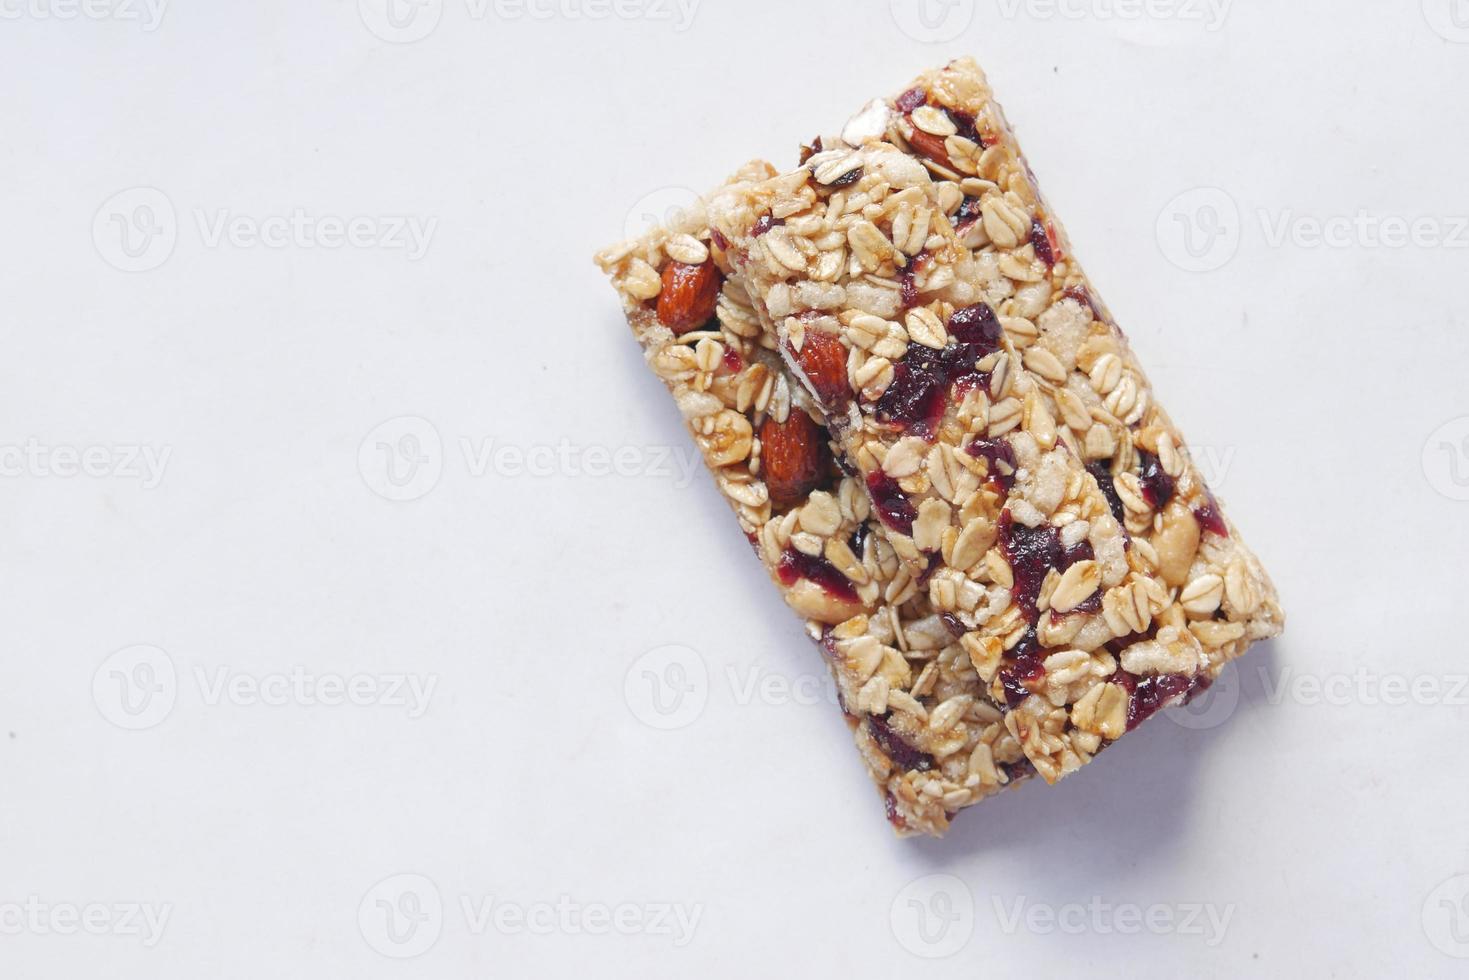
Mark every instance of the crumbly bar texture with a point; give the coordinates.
(763, 437)
(1042, 506)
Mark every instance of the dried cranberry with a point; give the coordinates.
(911, 99)
(919, 392)
(964, 122)
(1081, 551)
(1042, 242)
(1158, 486)
(893, 506)
(1024, 667)
(1149, 694)
(796, 565)
(904, 756)
(908, 288)
(719, 239)
(1209, 517)
(977, 326)
(1032, 552)
(764, 224)
(1101, 471)
(1000, 456)
(733, 362)
(858, 540)
(1120, 644)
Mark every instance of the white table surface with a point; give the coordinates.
(215, 615)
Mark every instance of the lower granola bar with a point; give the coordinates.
(764, 439)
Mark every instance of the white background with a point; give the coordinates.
(1313, 379)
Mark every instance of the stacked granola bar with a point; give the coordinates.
(944, 451)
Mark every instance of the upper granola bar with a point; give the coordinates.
(1041, 501)
(762, 437)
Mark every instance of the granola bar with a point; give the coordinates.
(764, 439)
(1043, 506)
